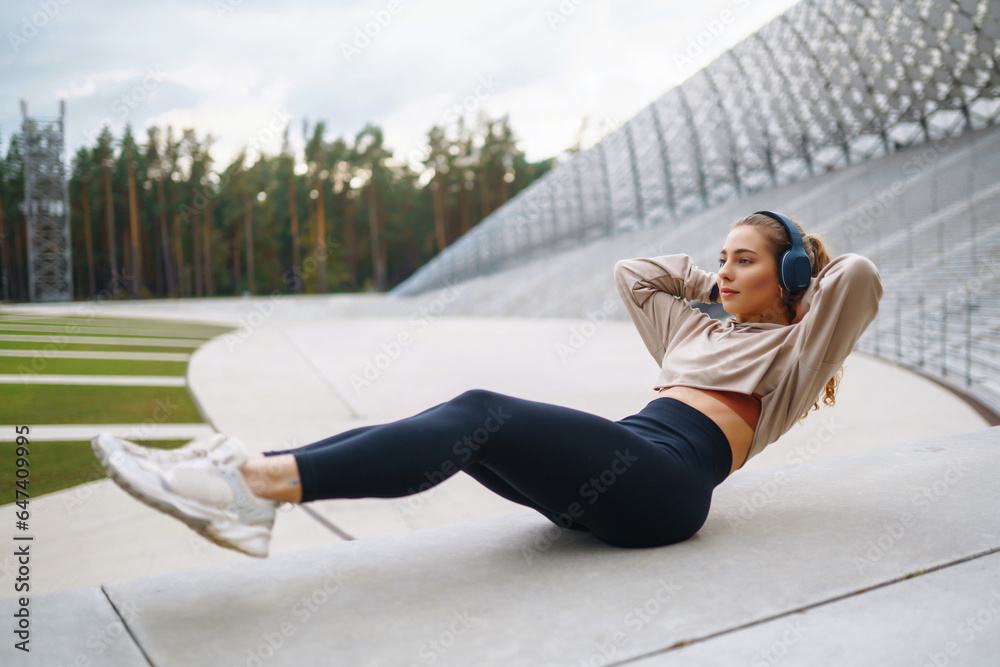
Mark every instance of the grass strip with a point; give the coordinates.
(56, 366)
(60, 344)
(201, 327)
(35, 404)
(42, 330)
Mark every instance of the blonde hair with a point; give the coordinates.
(778, 242)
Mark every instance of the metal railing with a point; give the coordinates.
(858, 79)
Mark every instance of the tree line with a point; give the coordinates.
(156, 218)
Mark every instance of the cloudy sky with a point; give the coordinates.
(243, 69)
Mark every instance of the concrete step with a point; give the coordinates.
(813, 560)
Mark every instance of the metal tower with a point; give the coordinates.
(46, 208)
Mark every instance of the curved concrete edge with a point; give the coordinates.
(819, 536)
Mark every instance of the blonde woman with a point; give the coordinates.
(725, 391)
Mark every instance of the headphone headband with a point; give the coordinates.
(794, 269)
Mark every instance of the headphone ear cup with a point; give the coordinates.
(799, 272)
(794, 272)
(794, 269)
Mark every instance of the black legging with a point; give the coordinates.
(642, 481)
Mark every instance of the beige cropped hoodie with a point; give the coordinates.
(788, 364)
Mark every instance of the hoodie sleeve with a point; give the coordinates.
(654, 291)
(839, 304)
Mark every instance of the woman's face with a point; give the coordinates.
(748, 278)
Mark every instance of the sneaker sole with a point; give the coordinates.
(201, 526)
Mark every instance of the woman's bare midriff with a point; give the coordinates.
(737, 431)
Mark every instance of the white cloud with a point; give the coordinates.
(228, 75)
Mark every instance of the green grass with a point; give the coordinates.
(30, 366)
(34, 404)
(62, 321)
(61, 345)
(82, 331)
(56, 465)
(59, 465)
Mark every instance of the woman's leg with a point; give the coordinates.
(569, 464)
(276, 477)
(334, 439)
(282, 482)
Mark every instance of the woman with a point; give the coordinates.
(725, 391)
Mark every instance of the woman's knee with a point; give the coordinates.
(478, 397)
(490, 408)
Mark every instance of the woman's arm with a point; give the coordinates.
(834, 311)
(653, 290)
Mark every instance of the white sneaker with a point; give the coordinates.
(104, 444)
(208, 493)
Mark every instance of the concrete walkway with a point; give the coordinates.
(299, 377)
(888, 556)
(301, 374)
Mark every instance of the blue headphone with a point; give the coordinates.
(794, 270)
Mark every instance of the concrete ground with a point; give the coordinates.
(299, 369)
